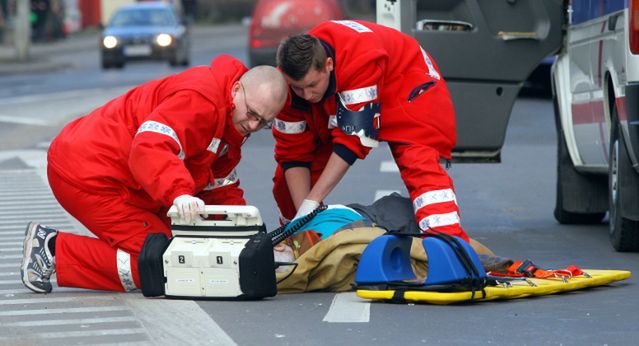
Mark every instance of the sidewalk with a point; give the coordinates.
(40, 54)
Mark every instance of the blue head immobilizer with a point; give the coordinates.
(387, 260)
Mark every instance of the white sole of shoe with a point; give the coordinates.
(26, 248)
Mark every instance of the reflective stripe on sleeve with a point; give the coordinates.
(353, 25)
(439, 220)
(154, 126)
(290, 127)
(332, 121)
(431, 68)
(124, 270)
(230, 179)
(432, 197)
(366, 94)
(215, 143)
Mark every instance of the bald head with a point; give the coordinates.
(258, 96)
(267, 86)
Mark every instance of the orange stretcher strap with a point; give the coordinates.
(528, 269)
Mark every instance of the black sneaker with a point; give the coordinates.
(37, 261)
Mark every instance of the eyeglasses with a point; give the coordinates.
(253, 115)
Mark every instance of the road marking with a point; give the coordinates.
(61, 106)
(101, 332)
(388, 167)
(62, 311)
(70, 321)
(177, 322)
(71, 95)
(348, 308)
(23, 120)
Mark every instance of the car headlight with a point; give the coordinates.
(164, 40)
(109, 42)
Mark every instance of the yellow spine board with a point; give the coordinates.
(518, 289)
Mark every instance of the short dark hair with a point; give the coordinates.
(298, 53)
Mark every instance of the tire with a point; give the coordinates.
(106, 65)
(623, 184)
(186, 61)
(581, 199)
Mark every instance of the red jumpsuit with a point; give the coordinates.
(373, 63)
(118, 169)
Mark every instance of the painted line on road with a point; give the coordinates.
(50, 299)
(23, 120)
(61, 95)
(70, 321)
(174, 322)
(101, 332)
(348, 308)
(62, 311)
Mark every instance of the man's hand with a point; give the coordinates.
(189, 207)
(307, 206)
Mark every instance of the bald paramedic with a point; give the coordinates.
(175, 141)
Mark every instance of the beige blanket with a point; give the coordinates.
(330, 265)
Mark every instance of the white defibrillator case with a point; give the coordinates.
(229, 258)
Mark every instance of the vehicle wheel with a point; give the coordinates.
(624, 193)
(173, 60)
(119, 65)
(106, 65)
(186, 61)
(581, 199)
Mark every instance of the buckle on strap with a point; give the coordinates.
(526, 268)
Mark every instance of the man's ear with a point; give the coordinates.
(235, 88)
(329, 64)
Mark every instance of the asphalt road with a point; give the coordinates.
(506, 206)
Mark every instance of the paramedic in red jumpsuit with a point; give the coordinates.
(359, 63)
(173, 141)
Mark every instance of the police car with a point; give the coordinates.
(595, 81)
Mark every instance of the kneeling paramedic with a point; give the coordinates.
(173, 141)
(354, 84)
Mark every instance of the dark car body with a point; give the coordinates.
(274, 20)
(153, 31)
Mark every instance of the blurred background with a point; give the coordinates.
(56, 19)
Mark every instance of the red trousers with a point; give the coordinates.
(108, 262)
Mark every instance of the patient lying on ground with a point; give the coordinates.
(327, 249)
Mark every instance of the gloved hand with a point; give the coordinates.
(189, 207)
(307, 206)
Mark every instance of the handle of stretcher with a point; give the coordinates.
(236, 214)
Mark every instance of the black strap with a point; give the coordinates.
(399, 296)
(474, 282)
